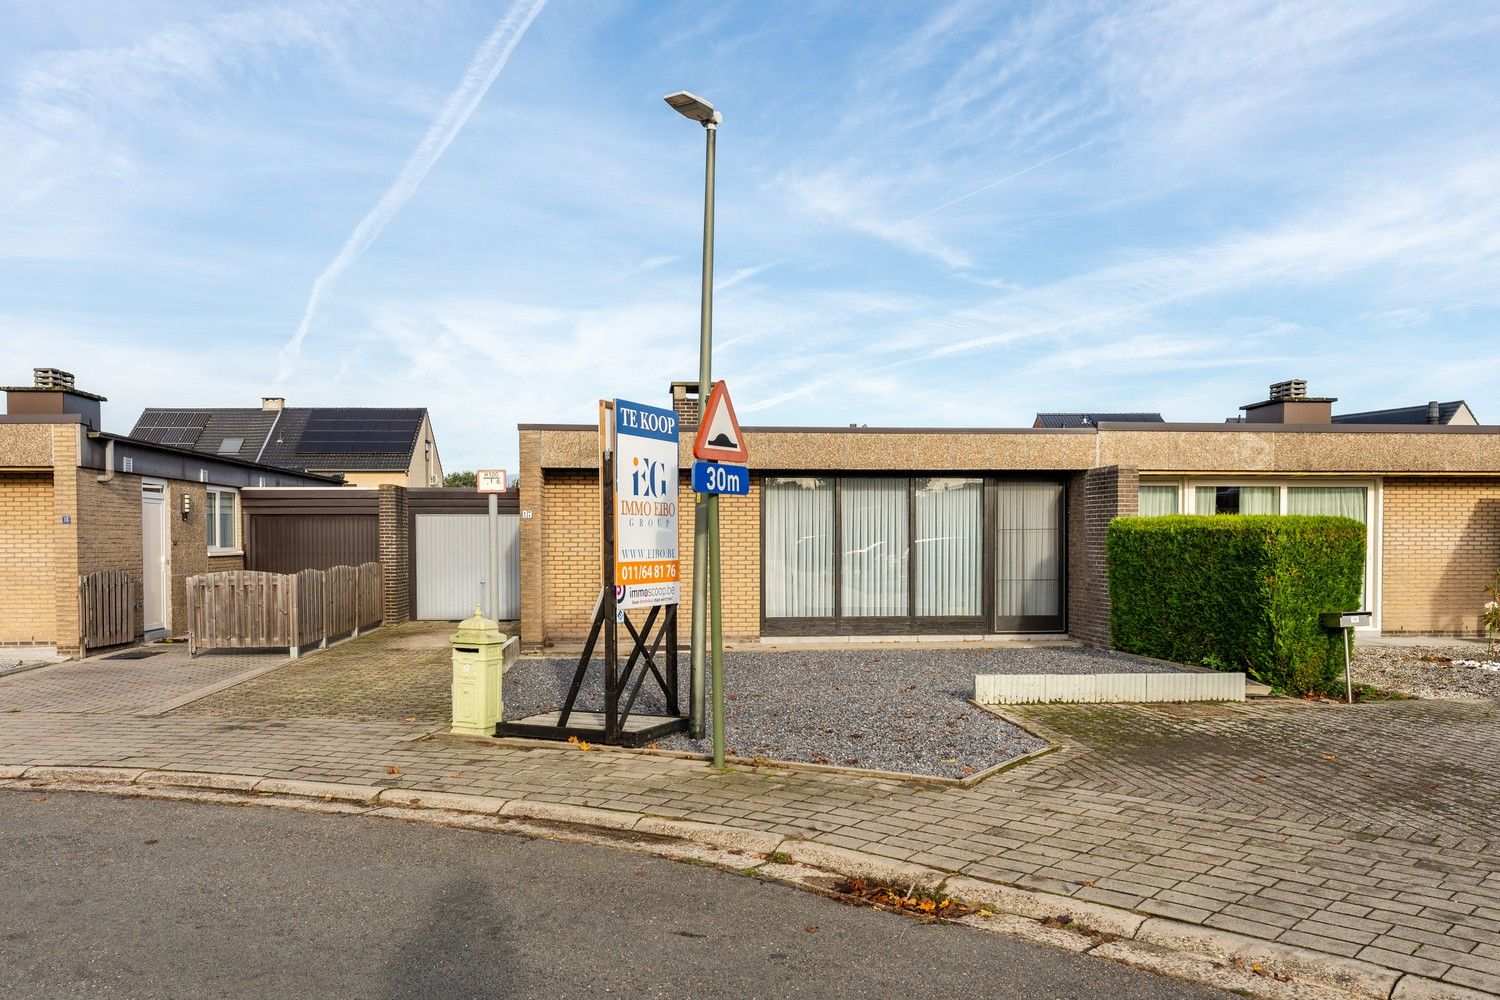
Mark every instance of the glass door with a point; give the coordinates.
(1029, 559)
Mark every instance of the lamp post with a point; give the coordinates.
(705, 508)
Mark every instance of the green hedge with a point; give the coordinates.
(1237, 592)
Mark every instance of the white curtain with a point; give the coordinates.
(949, 546)
(1239, 499)
(1158, 500)
(1345, 501)
(873, 532)
(798, 548)
(1029, 553)
(226, 520)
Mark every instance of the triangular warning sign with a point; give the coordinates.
(719, 436)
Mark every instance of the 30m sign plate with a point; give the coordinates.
(728, 480)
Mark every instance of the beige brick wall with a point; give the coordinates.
(65, 537)
(569, 571)
(28, 599)
(1440, 548)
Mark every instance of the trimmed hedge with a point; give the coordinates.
(1237, 592)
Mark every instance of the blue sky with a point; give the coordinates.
(948, 214)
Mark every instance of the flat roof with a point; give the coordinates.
(1237, 426)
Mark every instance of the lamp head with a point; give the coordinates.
(694, 107)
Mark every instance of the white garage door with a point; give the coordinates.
(453, 566)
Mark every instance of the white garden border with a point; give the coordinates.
(1032, 689)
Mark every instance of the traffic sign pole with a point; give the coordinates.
(717, 590)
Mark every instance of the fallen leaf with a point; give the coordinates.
(411, 718)
(1329, 756)
(393, 770)
(151, 842)
(1258, 778)
(811, 928)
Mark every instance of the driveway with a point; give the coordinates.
(1367, 831)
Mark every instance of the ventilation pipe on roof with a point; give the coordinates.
(1434, 413)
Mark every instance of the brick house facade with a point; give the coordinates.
(1430, 496)
(71, 504)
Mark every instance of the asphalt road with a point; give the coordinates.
(107, 897)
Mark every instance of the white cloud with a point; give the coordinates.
(486, 65)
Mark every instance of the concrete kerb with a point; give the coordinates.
(755, 763)
(1156, 943)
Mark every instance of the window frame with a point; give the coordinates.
(912, 624)
(211, 513)
(1187, 500)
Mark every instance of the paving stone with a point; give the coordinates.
(1144, 801)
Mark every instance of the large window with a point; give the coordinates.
(873, 543)
(888, 554)
(1238, 499)
(949, 548)
(798, 547)
(1157, 500)
(1029, 557)
(1358, 500)
(220, 523)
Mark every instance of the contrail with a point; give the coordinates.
(487, 63)
(1018, 173)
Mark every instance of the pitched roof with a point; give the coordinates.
(1093, 419)
(321, 438)
(1402, 414)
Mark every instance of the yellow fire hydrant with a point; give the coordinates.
(479, 655)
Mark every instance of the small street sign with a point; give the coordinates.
(490, 481)
(719, 436)
(712, 477)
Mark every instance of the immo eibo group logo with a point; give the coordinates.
(646, 498)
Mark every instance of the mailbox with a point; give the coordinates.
(1345, 619)
(479, 654)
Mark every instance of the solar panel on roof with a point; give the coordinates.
(377, 432)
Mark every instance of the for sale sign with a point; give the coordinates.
(646, 565)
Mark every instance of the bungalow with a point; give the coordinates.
(76, 500)
(971, 532)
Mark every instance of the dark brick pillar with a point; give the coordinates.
(395, 554)
(1107, 493)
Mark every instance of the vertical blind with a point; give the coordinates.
(798, 548)
(1158, 500)
(1028, 569)
(949, 549)
(873, 537)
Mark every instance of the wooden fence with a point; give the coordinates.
(106, 609)
(246, 609)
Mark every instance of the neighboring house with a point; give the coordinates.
(1457, 412)
(75, 500)
(367, 446)
(869, 531)
(1093, 419)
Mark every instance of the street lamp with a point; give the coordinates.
(705, 507)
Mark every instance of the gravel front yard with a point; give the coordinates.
(893, 709)
(1427, 671)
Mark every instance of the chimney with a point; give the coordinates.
(685, 404)
(52, 393)
(1434, 412)
(272, 403)
(1289, 403)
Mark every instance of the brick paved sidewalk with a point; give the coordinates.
(1384, 852)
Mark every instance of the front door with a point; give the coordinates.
(154, 589)
(1029, 556)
